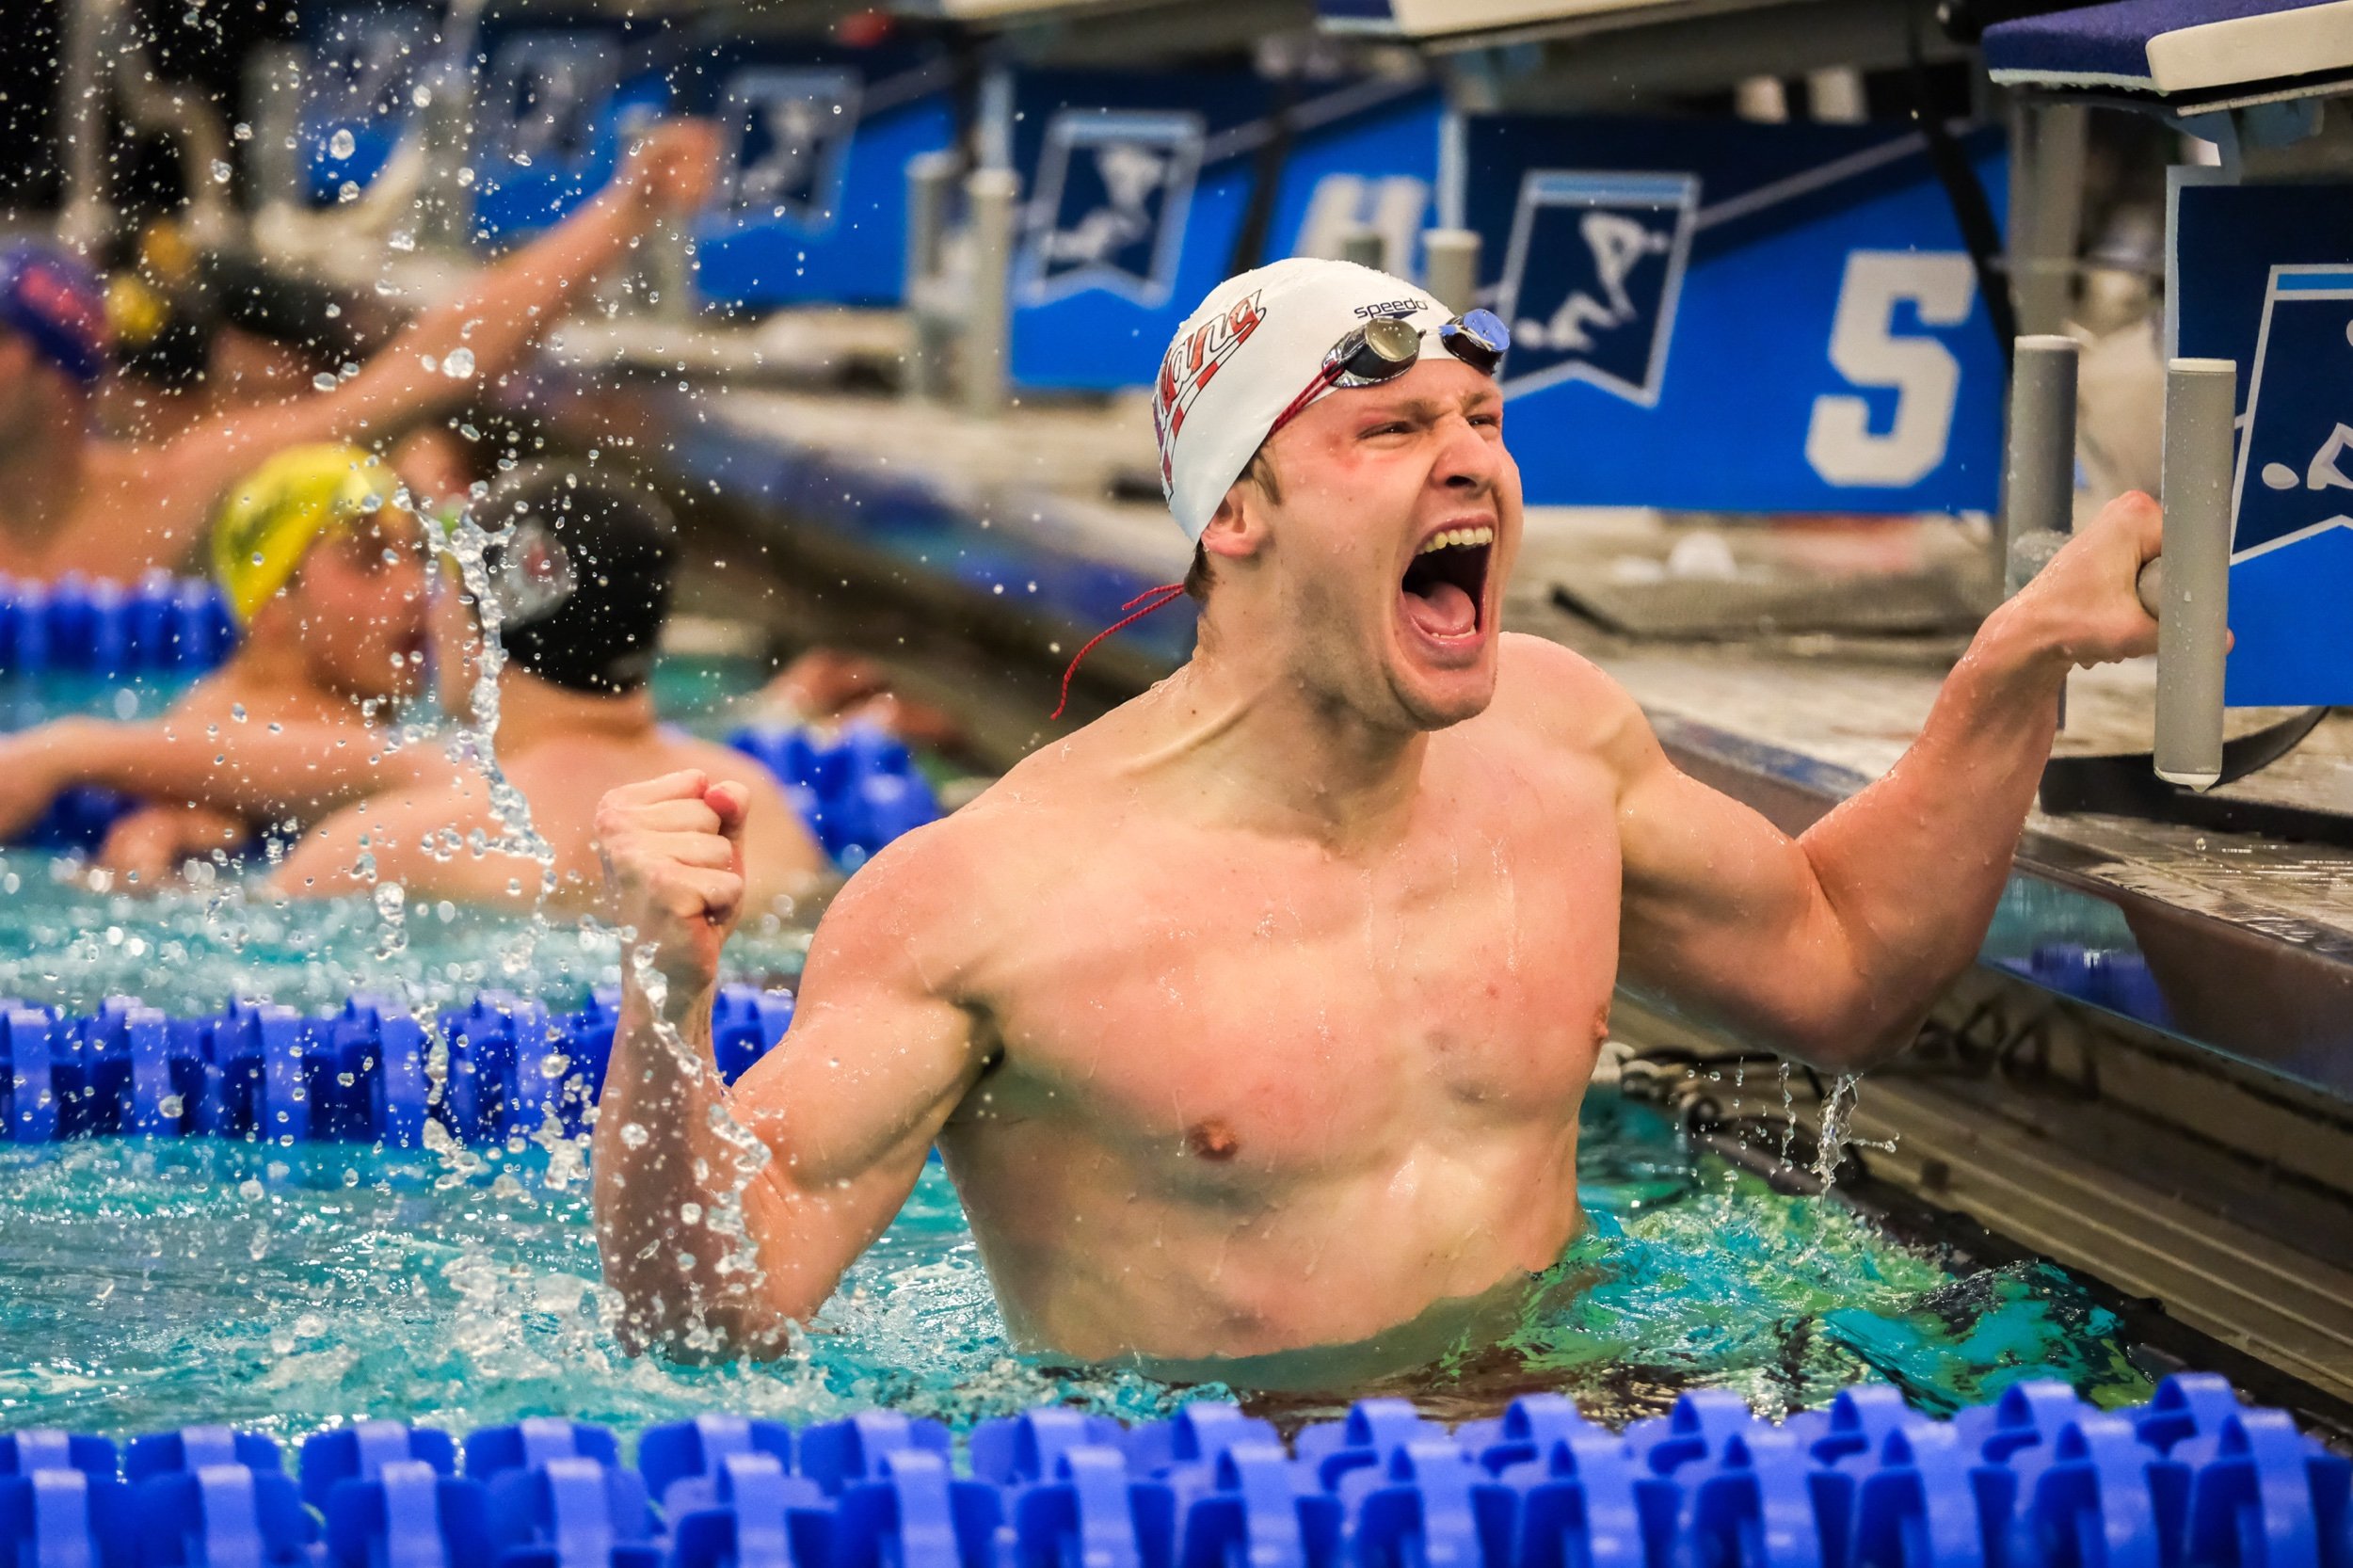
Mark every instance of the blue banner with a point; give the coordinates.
(2263, 275)
(1140, 189)
(1721, 317)
(553, 106)
(812, 205)
(358, 97)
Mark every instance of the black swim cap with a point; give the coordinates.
(581, 566)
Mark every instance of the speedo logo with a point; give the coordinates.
(1394, 307)
(1192, 361)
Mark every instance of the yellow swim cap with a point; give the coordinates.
(273, 516)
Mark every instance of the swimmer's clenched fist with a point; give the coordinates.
(2088, 595)
(673, 853)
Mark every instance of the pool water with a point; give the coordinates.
(149, 1284)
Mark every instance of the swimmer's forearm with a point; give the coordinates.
(657, 1159)
(298, 771)
(1912, 866)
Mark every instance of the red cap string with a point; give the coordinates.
(1166, 594)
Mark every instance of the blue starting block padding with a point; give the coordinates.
(812, 206)
(2170, 46)
(1649, 268)
(269, 1073)
(162, 625)
(2036, 1480)
(1137, 185)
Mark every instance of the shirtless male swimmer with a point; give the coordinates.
(1253, 1019)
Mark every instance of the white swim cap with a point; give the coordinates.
(1246, 354)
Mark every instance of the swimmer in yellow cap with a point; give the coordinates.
(330, 574)
(326, 571)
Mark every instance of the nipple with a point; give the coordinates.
(1210, 1140)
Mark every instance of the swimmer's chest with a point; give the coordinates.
(1273, 1008)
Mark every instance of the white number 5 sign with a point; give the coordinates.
(1839, 440)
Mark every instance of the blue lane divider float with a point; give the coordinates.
(2035, 1479)
(856, 791)
(162, 625)
(510, 1068)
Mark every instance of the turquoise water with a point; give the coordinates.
(145, 1286)
(151, 1285)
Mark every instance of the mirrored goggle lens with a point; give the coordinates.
(1383, 348)
(1477, 338)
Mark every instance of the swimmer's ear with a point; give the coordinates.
(1238, 529)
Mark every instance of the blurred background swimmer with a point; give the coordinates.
(71, 500)
(329, 574)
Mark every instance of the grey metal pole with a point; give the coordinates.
(1451, 267)
(273, 95)
(87, 218)
(1362, 245)
(2193, 630)
(2039, 489)
(988, 326)
(931, 178)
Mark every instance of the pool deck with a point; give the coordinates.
(1036, 525)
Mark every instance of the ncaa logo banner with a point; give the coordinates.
(1113, 190)
(787, 134)
(358, 85)
(813, 204)
(2263, 275)
(552, 110)
(1600, 305)
(1145, 189)
(1712, 316)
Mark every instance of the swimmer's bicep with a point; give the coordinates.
(878, 1056)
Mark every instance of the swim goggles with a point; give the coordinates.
(1386, 347)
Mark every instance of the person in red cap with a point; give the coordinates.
(70, 500)
(1253, 1020)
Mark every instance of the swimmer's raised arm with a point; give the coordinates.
(162, 499)
(843, 1111)
(1830, 946)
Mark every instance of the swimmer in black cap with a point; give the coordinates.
(72, 501)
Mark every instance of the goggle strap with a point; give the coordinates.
(1161, 597)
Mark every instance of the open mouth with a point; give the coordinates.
(1444, 589)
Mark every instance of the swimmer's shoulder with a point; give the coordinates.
(1562, 698)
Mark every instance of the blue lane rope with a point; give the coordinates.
(161, 624)
(2037, 1479)
(269, 1074)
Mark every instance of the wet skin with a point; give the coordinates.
(1253, 1020)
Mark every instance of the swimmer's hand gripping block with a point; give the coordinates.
(511, 1069)
(2038, 1478)
(2191, 600)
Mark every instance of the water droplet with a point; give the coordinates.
(221, 172)
(401, 240)
(340, 145)
(421, 95)
(634, 1137)
(458, 365)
